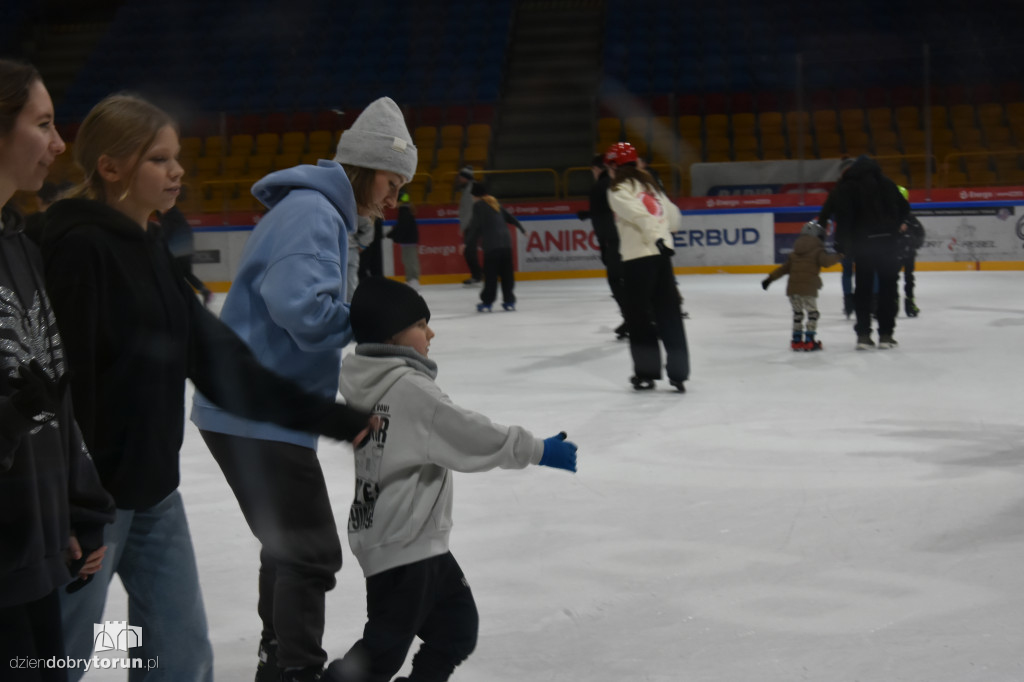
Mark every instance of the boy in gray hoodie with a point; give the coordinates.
(400, 517)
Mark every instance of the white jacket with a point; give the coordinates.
(642, 218)
(402, 510)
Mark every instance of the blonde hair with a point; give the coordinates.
(120, 126)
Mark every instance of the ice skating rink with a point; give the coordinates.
(833, 517)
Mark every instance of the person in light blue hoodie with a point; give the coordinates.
(288, 302)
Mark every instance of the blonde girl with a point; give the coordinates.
(135, 332)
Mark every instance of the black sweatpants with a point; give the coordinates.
(651, 294)
(613, 269)
(498, 265)
(429, 599)
(469, 253)
(29, 632)
(283, 496)
(876, 256)
(908, 262)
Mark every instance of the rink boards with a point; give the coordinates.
(965, 230)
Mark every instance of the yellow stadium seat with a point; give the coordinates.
(478, 134)
(241, 144)
(825, 121)
(293, 142)
(744, 123)
(476, 154)
(213, 146)
(321, 144)
(287, 160)
(267, 143)
(451, 135)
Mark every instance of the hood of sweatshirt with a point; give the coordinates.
(69, 214)
(862, 166)
(327, 178)
(805, 244)
(373, 369)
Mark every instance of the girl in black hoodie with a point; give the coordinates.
(134, 333)
(52, 504)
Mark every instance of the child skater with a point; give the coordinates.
(490, 223)
(803, 265)
(400, 518)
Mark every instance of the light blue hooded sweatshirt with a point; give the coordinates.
(287, 300)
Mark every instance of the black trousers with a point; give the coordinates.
(29, 632)
(283, 496)
(908, 263)
(429, 599)
(613, 269)
(876, 256)
(498, 265)
(651, 294)
(469, 240)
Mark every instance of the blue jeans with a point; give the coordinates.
(151, 551)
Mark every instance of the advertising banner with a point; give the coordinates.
(712, 239)
(972, 234)
(557, 244)
(762, 177)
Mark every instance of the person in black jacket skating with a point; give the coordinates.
(134, 332)
(868, 210)
(53, 508)
(603, 221)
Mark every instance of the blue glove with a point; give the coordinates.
(559, 453)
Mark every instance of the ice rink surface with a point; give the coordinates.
(839, 516)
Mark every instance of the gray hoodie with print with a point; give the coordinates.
(402, 510)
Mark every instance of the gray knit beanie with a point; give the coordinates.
(378, 139)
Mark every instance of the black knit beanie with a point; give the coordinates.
(382, 307)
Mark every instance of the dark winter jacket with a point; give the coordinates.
(804, 265)
(601, 216)
(864, 204)
(134, 332)
(912, 238)
(405, 230)
(49, 488)
(490, 223)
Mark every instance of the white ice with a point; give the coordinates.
(836, 517)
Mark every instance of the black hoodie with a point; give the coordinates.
(134, 332)
(49, 488)
(864, 204)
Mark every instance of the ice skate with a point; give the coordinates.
(885, 341)
(678, 385)
(910, 307)
(641, 384)
(471, 281)
(508, 307)
(483, 307)
(622, 332)
(864, 342)
(810, 343)
(797, 343)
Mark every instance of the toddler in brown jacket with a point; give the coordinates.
(803, 267)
